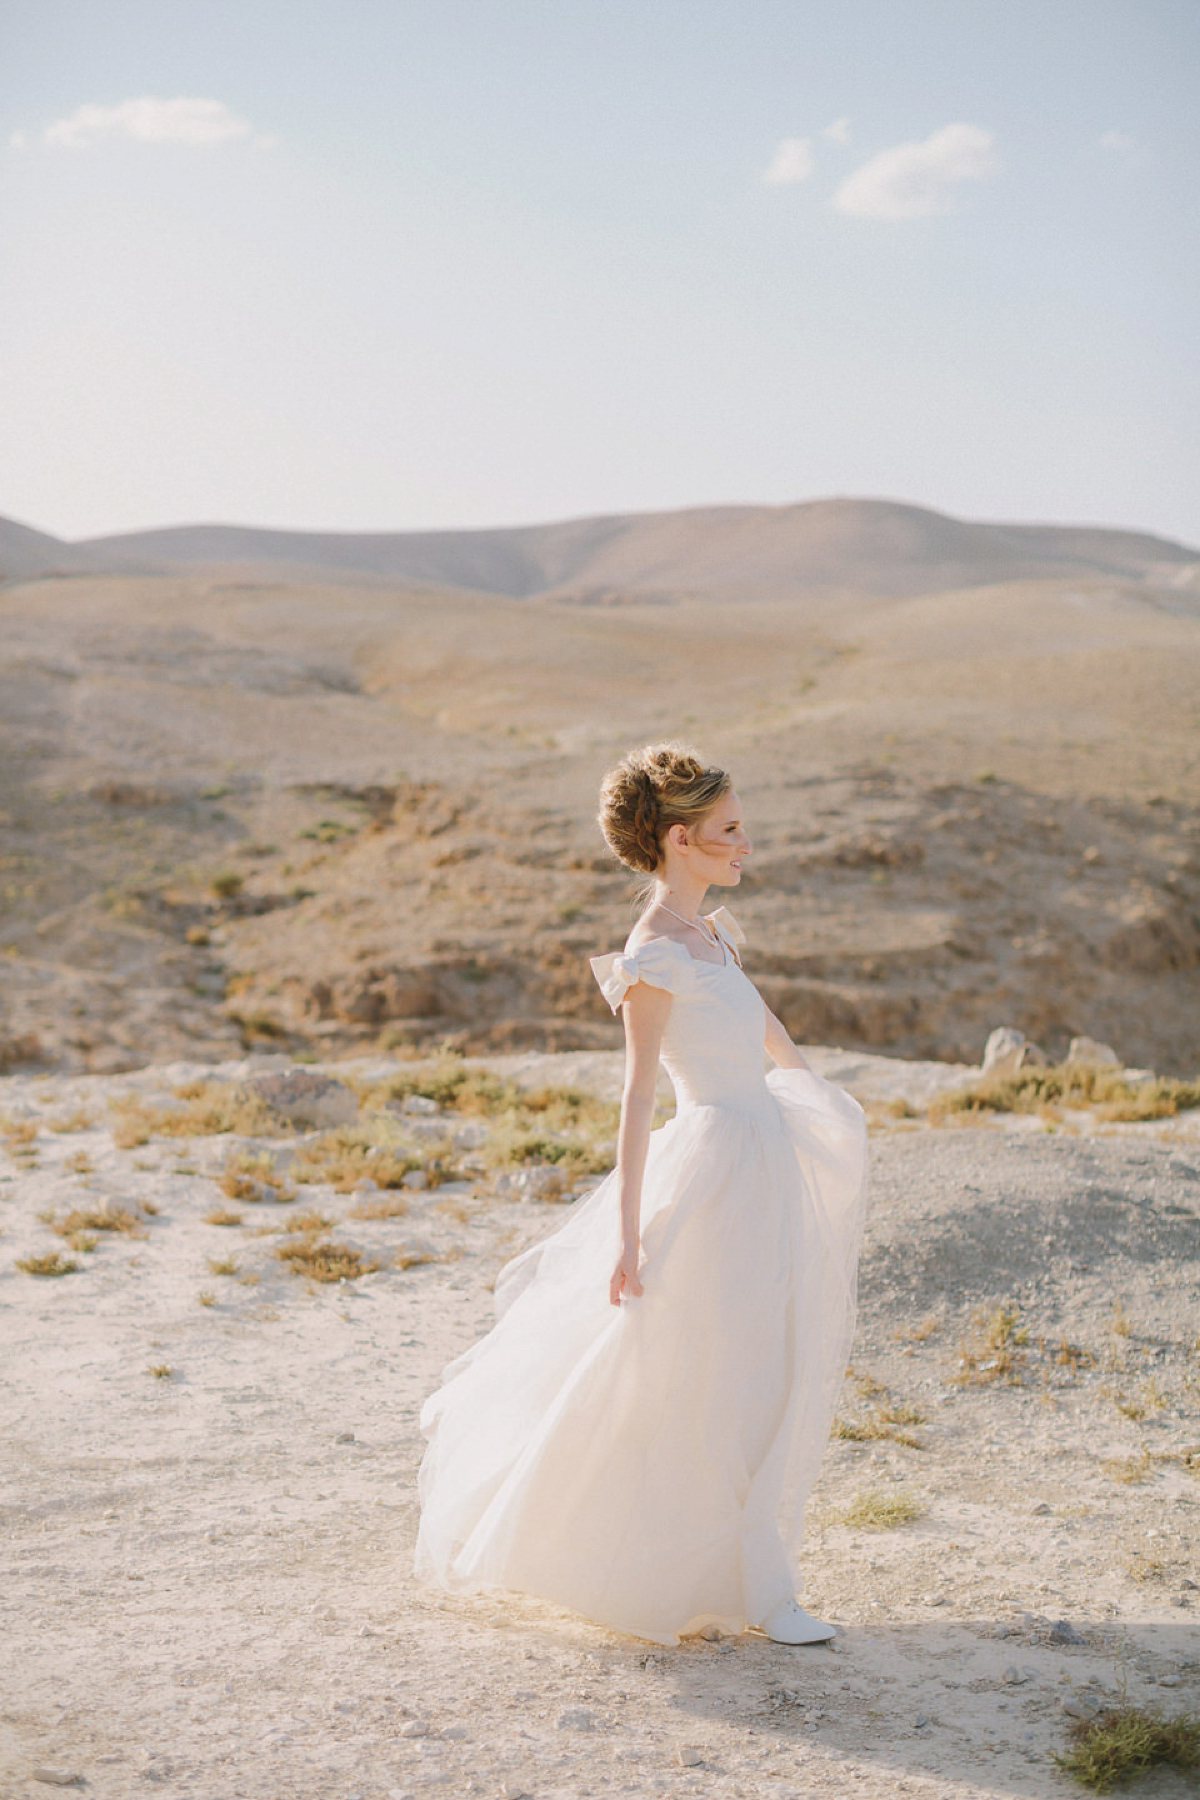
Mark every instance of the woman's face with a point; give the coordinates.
(717, 845)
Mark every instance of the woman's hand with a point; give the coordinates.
(625, 1278)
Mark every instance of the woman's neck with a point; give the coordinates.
(680, 895)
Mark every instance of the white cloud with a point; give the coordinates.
(181, 121)
(838, 132)
(792, 161)
(1118, 140)
(910, 181)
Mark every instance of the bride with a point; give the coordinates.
(636, 1437)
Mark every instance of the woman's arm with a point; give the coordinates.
(645, 1010)
(780, 1047)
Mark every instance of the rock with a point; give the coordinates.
(515, 1790)
(1168, 1681)
(688, 1757)
(1008, 1050)
(344, 1437)
(304, 1098)
(1062, 1632)
(1003, 1043)
(415, 1180)
(471, 1136)
(548, 1183)
(1014, 1677)
(1092, 1052)
(576, 1718)
(933, 1599)
(364, 1185)
(419, 1104)
(920, 1722)
(712, 1634)
(1041, 1509)
(58, 1777)
(414, 1728)
(1080, 1706)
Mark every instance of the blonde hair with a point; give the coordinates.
(649, 791)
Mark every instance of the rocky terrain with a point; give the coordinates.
(209, 1453)
(308, 800)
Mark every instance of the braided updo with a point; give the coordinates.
(649, 791)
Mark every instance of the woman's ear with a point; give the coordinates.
(677, 837)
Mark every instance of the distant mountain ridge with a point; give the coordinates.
(813, 548)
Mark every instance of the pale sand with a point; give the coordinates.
(207, 1585)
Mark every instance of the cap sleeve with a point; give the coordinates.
(724, 922)
(660, 963)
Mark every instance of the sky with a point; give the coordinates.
(413, 264)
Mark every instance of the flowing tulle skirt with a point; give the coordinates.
(647, 1465)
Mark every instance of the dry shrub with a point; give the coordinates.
(210, 1108)
(206, 1297)
(1031, 1090)
(52, 1262)
(160, 1371)
(388, 1206)
(1129, 1470)
(98, 1218)
(79, 1164)
(20, 1135)
(308, 1223)
(920, 1332)
(222, 1265)
(1125, 1741)
(222, 1215)
(341, 1158)
(416, 1256)
(250, 1175)
(874, 1510)
(995, 1350)
(324, 1261)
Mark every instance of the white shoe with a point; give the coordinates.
(790, 1624)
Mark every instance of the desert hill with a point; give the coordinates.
(821, 549)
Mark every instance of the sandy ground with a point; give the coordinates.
(207, 1587)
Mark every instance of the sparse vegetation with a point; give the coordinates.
(323, 1261)
(1125, 1741)
(222, 1265)
(874, 1510)
(51, 1262)
(308, 1223)
(209, 1108)
(250, 1175)
(82, 1221)
(161, 1371)
(387, 1206)
(222, 1215)
(79, 1120)
(1129, 1470)
(343, 1157)
(80, 1163)
(995, 1350)
(206, 1297)
(227, 883)
(1080, 1085)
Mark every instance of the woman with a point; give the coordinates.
(637, 1435)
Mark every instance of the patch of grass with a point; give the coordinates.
(227, 883)
(388, 1206)
(248, 1175)
(80, 1163)
(160, 1371)
(882, 1425)
(995, 1349)
(343, 1157)
(1073, 1357)
(1078, 1085)
(222, 1215)
(1129, 1470)
(921, 1331)
(324, 1261)
(308, 1223)
(1120, 1321)
(20, 1138)
(53, 1262)
(210, 1109)
(1144, 1566)
(98, 1218)
(1125, 1741)
(259, 1027)
(874, 1510)
(206, 1297)
(222, 1265)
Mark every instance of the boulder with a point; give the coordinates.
(1008, 1050)
(307, 1099)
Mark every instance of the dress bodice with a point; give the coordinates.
(712, 1046)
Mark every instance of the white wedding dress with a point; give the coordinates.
(647, 1465)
